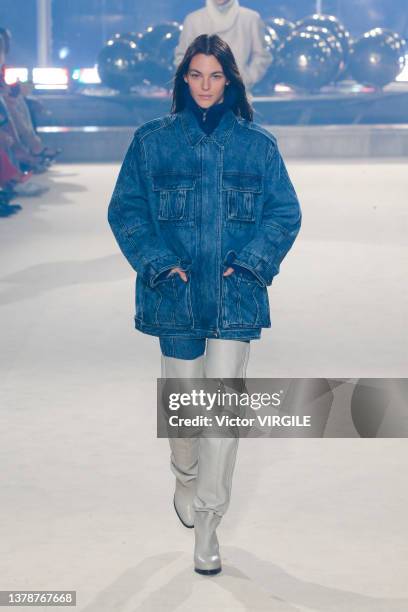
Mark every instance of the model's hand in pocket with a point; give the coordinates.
(228, 271)
(180, 272)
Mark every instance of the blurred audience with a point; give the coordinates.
(22, 152)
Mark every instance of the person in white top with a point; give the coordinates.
(240, 27)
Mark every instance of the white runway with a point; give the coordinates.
(86, 489)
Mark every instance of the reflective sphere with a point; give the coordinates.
(306, 61)
(272, 40)
(332, 24)
(132, 36)
(267, 84)
(159, 41)
(119, 64)
(393, 38)
(401, 42)
(377, 57)
(281, 26)
(334, 44)
(277, 30)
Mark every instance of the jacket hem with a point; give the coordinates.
(247, 333)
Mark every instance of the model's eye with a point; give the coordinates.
(194, 75)
(218, 76)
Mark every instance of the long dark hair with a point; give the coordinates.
(212, 45)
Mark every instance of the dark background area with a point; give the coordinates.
(84, 25)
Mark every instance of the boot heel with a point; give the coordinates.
(208, 572)
(207, 559)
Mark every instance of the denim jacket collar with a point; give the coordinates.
(195, 135)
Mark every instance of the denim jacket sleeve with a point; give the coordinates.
(280, 223)
(129, 217)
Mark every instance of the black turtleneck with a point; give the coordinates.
(209, 118)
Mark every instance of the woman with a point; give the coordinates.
(204, 211)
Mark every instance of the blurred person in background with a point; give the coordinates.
(19, 143)
(28, 148)
(12, 178)
(8, 172)
(240, 27)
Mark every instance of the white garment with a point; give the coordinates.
(241, 28)
(223, 16)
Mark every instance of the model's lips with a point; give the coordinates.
(205, 97)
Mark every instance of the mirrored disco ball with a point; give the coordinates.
(332, 41)
(272, 40)
(282, 27)
(402, 44)
(395, 39)
(132, 36)
(267, 84)
(377, 58)
(119, 64)
(331, 23)
(277, 30)
(306, 61)
(159, 41)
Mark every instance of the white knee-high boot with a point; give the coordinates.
(216, 461)
(184, 451)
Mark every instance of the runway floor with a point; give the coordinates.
(86, 489)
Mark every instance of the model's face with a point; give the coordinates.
(206, 80)
(221, 2)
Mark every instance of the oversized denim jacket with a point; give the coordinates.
(203, 203)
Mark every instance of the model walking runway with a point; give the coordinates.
(87, 501)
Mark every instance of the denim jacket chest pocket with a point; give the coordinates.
(175, 197)
(240, 193)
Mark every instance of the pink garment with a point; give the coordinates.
(19, 116)
(8, 171)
